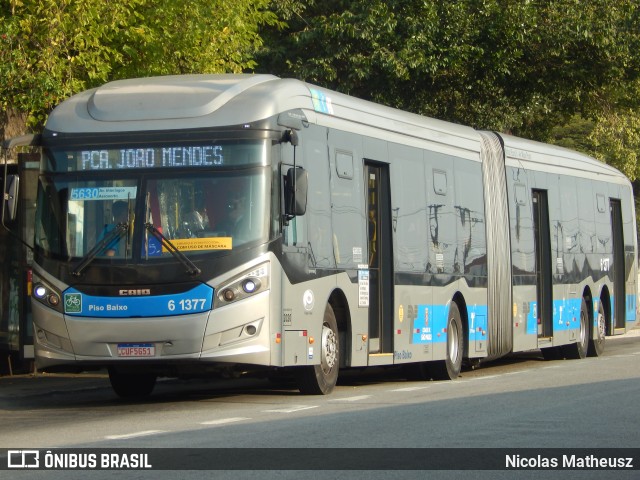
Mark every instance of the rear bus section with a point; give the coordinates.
(573, 247)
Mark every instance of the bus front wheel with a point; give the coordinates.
(321, 379)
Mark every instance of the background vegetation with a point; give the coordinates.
(51, 49)
(562, 71)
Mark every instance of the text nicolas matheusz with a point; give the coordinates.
(517, 461)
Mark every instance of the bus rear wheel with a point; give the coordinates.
(596, 345)
(321, 379)
(578, 350)
(132, 385)
(449, 369)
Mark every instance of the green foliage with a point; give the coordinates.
(612, 134)
(575, 134)
(521, 67)
(51, 49)
(616, 139)
(616, 134)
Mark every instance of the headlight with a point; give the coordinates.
(250, 285)
(46, 295)
(245, 285)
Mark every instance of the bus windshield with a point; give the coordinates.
(119, 214)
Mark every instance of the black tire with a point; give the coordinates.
(132, 385)
(449, 369)
(596, 345)
(578, 350)
(321, 379)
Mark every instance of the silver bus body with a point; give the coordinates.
(422, 242)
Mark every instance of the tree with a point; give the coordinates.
(616, 133)
(521, 67)
(51, 49)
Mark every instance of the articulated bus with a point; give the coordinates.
(217, 223)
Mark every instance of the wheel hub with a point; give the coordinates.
(329, 348)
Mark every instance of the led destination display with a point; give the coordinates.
(192, 156)
(160, 156)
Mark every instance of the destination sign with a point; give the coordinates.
(196, 155)
(168, 157)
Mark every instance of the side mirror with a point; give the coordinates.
(295, 192)
(11, 197)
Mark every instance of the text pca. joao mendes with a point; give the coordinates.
(568, 461)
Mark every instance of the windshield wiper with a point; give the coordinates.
(118, 231)
(173, 250)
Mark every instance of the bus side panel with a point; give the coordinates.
(525, 323)
(318, 216)
(441, 241)
(333, 231)
(413, 293)
(349, 227)
(586, 242)
(471, 253)
(347, 200)
(568, 303)
(603, 249)
(588, 260)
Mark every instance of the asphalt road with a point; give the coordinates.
(519, 402)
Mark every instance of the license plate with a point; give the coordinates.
(136, 350)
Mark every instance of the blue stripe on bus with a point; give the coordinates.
(566, 315)
(430, 325)
(631, 308)
(196, 300)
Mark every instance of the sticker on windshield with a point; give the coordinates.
(102, 193)
(208, 243)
